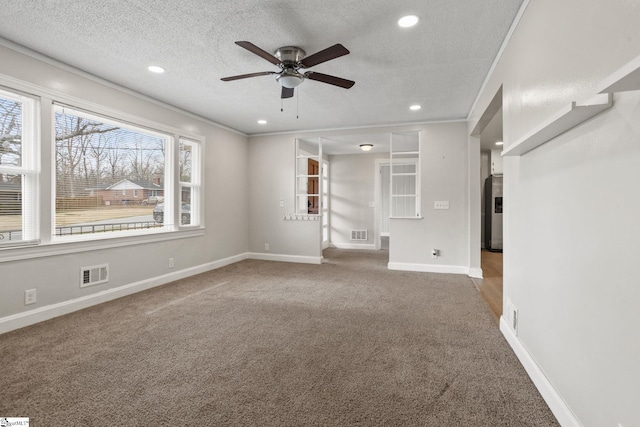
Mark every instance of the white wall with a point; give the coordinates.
(572, 235)
(56, 275)
(352, 184)
(444, 177)
(272, 178)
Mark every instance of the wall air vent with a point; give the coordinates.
(94, 275)
(359, 235)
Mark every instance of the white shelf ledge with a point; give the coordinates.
(565, 119)
(625, 79)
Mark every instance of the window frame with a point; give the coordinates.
(398, 157)
(29, 166)
(302, 194)
(44, 156)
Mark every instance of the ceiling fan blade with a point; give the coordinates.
(261, 53)
(332, 80)
(335, 51)
(286, 92)
(246, 76)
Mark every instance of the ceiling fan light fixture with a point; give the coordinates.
(408, 21)
(366, 147)
(289, 80)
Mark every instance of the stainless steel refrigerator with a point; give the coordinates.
(493, 213)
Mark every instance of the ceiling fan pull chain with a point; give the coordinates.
(281, 105)
(297, 103)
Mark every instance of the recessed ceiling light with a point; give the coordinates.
(262, 122)
(415, 107)
(499, 143)
(408, 21)
(155, 69)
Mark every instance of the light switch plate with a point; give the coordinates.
(443, 204)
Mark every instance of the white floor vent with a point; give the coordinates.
(94, 275)
(359, 235)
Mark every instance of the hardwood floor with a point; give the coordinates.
(490, 286)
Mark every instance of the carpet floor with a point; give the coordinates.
(261, 343)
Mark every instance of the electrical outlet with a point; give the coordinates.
(444, 204)
(30, 296)
(170, 262)
(435, 253)
(266, 247)
(281, 203)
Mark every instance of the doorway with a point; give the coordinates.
(382, 203)
(490, 133)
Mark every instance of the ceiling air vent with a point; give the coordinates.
(94, 275)
(359, 235)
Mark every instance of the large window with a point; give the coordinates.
(107, 177)
(106, 173)
(18, 168)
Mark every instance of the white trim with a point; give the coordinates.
(505, 42)
(428, 268)
(363, 246)
(286, 258)
(61, 65)
(20, 320)
(550, 395)
(16, 253)
(475, 272)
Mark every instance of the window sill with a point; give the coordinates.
(68, 246)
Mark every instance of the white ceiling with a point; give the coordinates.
(440, 63)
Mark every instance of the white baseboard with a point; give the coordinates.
(40, 314)
(557, 405)
(364, 246)
(475, 272)
(286, 258)
(428, 268)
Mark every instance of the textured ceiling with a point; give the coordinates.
(440, 63)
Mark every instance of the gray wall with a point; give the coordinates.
(352, 183)
(443, 177)
(56, 274)
(272, 178)
(572, 235)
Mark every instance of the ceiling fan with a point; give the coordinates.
(291, 59)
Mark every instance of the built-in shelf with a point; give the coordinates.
(565, 119)
(625, 79)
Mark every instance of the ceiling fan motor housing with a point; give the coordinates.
(290, 56)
